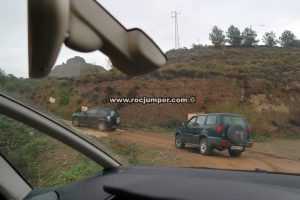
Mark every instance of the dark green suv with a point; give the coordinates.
(102, 118)
(215, 131)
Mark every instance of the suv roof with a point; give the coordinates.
(221, 114)
(101, 109)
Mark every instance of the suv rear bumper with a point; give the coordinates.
(220, 143)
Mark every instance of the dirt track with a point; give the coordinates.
(261, 156)
(279, 156)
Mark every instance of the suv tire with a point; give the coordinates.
(178, 142)
(234, 137)
(75, 122)
(205, 149)
(234, 153)
(102, 126)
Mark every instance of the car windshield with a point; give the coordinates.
(240, 57)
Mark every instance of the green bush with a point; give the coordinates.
(64, 101)
(171, 123)
(133, 92)
(82, 168)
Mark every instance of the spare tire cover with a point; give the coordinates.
(236, 134)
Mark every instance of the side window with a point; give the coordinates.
(92, 111)
(103, 112)
(112, 113)
(201, 120)
(212, 119)
(40, 159)
(192, 121)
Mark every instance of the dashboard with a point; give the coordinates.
(176, 183)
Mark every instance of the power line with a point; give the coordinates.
(175, 16)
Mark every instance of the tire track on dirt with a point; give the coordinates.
(190, 157)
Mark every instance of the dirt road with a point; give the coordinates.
(282, 156)
(278, 156)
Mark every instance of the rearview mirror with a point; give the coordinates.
(86, 26)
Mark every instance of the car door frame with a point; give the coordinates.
(198, 130)
(83, 118)
(94, 117)
(12, 184)
(210, 129)
(90, 117)
(187, 133)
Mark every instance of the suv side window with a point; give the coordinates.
(103, 113)
(192, 121)
(211, 119)
(112, 113)
(200, 120)
(92, 111)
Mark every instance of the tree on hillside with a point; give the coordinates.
(234, 36)
(2, 76)
(249, 37)
(287, 38)
(217, 37)
(270, 39)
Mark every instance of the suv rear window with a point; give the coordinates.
(92, 111)
(229, 120)
(212, 119)
(104, 112)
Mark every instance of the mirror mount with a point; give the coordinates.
(86, 26)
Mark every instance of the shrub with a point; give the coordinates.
(64, 101)
(97, 89)
(79, 101)
(172, 123)
(133, 92)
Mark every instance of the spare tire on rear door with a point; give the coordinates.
(236, 134)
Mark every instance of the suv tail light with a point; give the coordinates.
(219, 128)
(225, 143)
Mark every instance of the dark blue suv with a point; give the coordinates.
(102, 118)
(215, 131)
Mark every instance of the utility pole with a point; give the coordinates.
(175, 16)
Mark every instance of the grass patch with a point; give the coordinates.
(137, 155)
(81, 169)
(261, 138)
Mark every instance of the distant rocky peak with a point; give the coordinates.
(76, 60)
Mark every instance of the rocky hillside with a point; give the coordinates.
(75, 67)
(261, 83)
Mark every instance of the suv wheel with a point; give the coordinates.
(205, 149)
(75, 121)
(178, 142)
(102, 126)
(234, 153)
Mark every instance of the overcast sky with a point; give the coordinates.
(196, 19)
